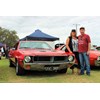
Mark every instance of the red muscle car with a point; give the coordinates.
(94, 55)
(38, 55)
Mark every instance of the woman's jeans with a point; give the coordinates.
(84, 62)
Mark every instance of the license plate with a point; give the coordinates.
(51, 68)
(55, 68)
(48, 68)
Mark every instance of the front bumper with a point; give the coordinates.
(97, 63)
(47, 66)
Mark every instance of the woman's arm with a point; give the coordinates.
(67, 45)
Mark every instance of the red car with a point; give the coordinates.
(38, 55)
(94, 55)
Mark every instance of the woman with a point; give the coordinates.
(72, 47)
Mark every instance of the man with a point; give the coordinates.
(84, 45)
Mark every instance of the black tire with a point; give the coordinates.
(11, 63)
(19, 70)
(62, 71)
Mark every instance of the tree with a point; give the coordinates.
(8, 37)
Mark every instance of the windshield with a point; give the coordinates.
(93, 48)
(34, 45)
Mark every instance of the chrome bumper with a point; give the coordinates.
(47, 66)
(97, 63)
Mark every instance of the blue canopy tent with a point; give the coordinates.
(40, 36)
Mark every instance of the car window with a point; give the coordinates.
(34, 45)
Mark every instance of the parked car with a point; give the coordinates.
(94, 55)
(38, 55)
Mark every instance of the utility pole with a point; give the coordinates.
(76, 26)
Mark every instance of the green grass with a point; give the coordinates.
(8, 75)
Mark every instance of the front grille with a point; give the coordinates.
(50, 59)
(59, 58)
(42, 58)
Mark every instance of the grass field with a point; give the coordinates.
(7, 75)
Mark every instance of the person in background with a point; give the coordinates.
(72, 47)
(7, 52)
(5, 48)
(84, 45)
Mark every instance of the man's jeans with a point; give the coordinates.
(84, 62)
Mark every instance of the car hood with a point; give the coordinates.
(36, 52)
(95, 52)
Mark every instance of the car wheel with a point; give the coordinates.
(11, 63)
(62, 70)
(19, 70)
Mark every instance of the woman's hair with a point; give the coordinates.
(73, 30)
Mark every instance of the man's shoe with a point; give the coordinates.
(81, 73)
(88, 74)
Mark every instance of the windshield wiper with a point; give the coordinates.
(42, 48)
(24, 48)
(39, 48)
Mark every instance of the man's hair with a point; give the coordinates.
(82, 28)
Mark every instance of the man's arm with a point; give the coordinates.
(89, 44)
(89, 48)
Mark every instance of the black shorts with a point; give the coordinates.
(77, 58)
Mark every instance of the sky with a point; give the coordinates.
(58, 26)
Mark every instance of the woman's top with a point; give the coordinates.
(73, 44)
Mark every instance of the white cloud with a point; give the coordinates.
(59, 26)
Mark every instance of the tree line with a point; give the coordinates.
(8, 37)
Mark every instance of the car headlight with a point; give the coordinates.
(27, 59)
(70, 58)
(98, 58)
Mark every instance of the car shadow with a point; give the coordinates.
(41, 74)
(95, 68)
